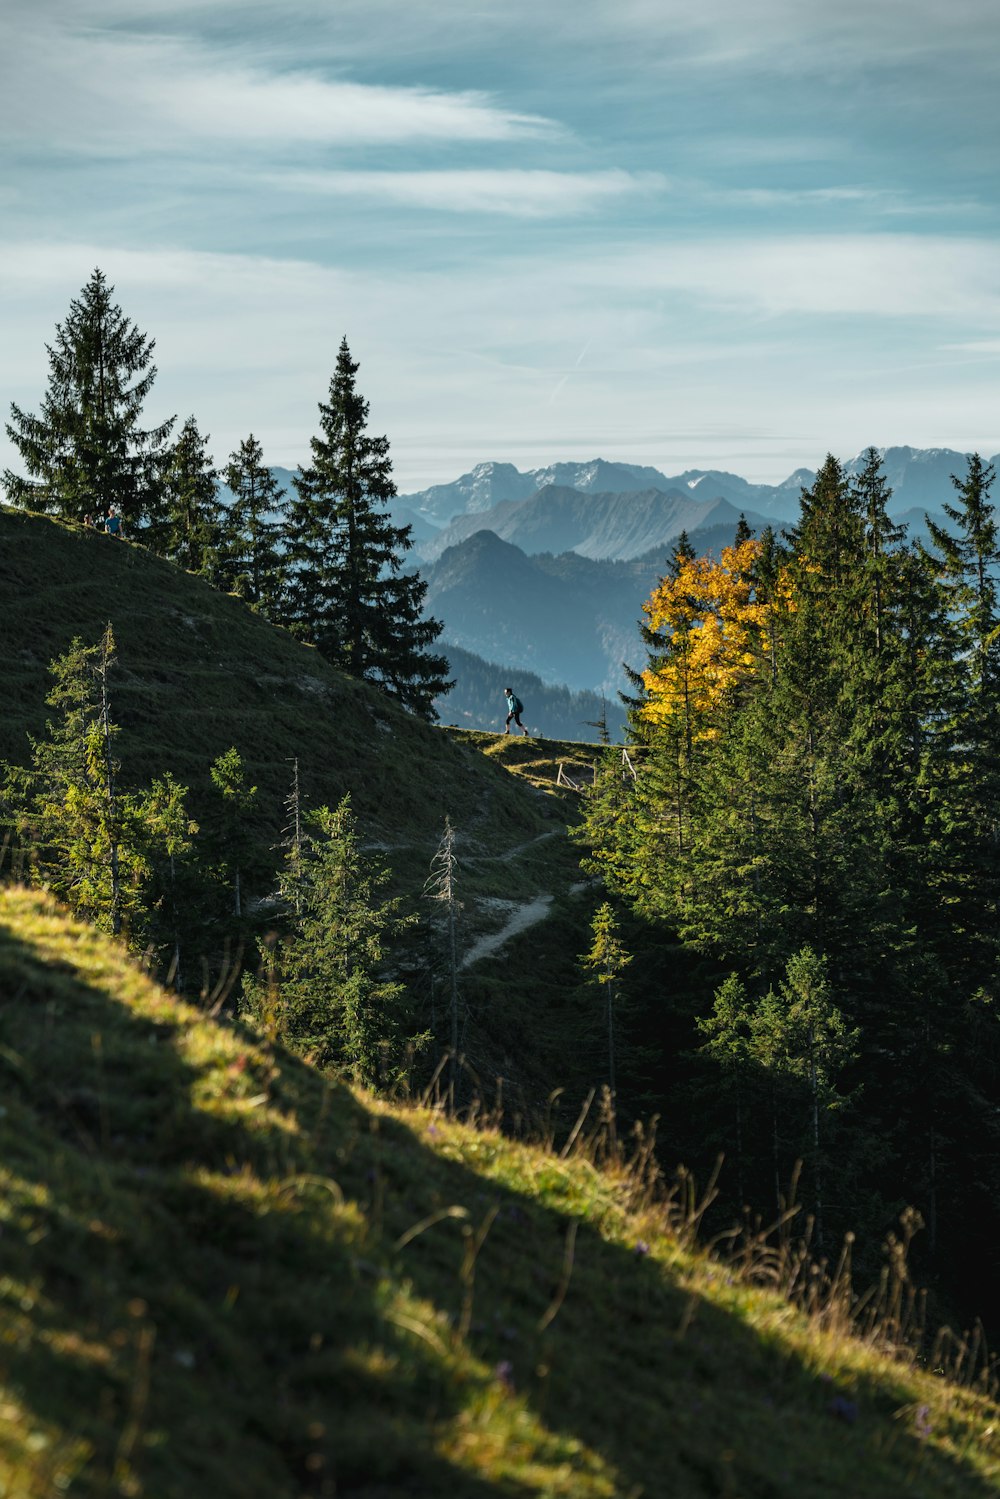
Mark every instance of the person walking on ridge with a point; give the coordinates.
(515, 708)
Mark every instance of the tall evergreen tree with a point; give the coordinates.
(185, 527)
(606, 961)
(347, 592)
(252, 562)
(86, 450)
(228, 827)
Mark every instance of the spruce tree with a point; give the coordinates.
(252, 563)
(606, 961)
(87, 839)
(229, 827)
(86, 450)
(348, 594)
(327, 993)
(185, 527)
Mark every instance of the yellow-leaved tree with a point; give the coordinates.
(716, 624)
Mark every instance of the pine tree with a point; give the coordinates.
(728, 1045)
(228, 828)
(441, 887)
(347, 593)
(819, 1045)
(606, 961)
(252, 562)
(881, 535)
(185, 528)
(86, 451)
(326, 985)
(967, 561)
(172, 893)
(87, 840)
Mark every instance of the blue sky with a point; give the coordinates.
(712, 235)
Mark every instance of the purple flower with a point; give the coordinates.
(843, 1409)
(642, 1248)
(504, 1374)
(922, 1422)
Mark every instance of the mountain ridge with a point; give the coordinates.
(919, 476)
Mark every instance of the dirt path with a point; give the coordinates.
(522, 915)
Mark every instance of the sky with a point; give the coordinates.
(712, 235)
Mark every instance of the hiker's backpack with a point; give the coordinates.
(518, 706)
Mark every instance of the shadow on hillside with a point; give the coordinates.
(196, 1250)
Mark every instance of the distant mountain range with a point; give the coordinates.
(540, 576)
(920, 478)
(610, 526)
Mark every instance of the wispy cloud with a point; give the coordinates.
(884, 275)
(119, 94)
(734, 356)
(521, 193)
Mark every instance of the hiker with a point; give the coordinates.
(515, 708)
(113, 524)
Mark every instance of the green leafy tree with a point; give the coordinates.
(326, 985)
(252, 560)
(87, 450)
(347, 592)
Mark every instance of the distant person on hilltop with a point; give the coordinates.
(515, 708)
(113, 524)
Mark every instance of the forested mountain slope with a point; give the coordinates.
(228, 1275)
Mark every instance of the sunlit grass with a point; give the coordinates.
(224, 1274)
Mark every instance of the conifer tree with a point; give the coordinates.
(327, 983)
(606, 960)
(881, 534)
(441, 887)
(172, 888)
(348, 594)
(228, 827)
(968, 561)
(87, 840)
(86, 450)
(185, 527)
(252, 563)
(819, 1045)
(728, 1045)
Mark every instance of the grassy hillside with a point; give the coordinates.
(225, 1275)
(198, 671)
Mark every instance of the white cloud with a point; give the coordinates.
(755, 356)
(881, 275)
(120, 94)
(516, 192)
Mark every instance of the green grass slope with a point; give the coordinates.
(222, 1274)
(198, 672)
